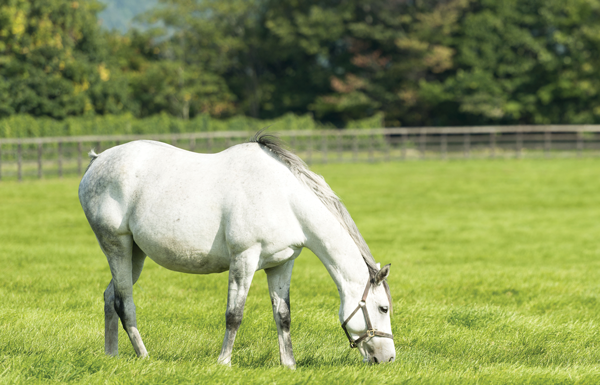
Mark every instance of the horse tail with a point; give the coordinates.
(316, 183)
(93, 156)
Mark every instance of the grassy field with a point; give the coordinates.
(495, 278)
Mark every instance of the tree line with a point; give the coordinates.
(413, 62)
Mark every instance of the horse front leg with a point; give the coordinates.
(241, 272)
(279, 279)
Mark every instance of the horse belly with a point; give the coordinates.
(185, 259)
(179, 249)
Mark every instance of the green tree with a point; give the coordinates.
(53, 60)
(522, 62)
(340, 60)
(197, 48)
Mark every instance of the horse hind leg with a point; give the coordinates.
(111, 322)
(126, 261)
(111, 318)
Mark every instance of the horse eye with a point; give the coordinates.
(383, 309)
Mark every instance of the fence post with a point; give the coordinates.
(519, 143)
(579, 143)
(99, 146)
(422, 142)
(209, 143)
(371, 159)
(79, 157)
(444, 146)
(309, 149)
(339, 146)
(192, 144)
(324, 147)
(386, 143)
(467, 145)
(60, 170)
(39, 159)
(404, 143)
(492, 145)
(355, 148)
(19, 161)
(547, 143)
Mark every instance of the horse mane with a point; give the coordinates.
(316, 183)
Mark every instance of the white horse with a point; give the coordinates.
(253, 206)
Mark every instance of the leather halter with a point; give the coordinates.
(370, 331)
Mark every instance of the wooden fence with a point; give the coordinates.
(31, 158)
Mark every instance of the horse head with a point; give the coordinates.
(368, 326)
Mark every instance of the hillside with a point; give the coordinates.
(119, 14)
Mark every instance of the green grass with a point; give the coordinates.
(495, 278)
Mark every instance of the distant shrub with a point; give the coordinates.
(375, 121)
(26, 126)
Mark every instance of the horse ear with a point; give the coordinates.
(382, 274)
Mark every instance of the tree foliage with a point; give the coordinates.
(418, 62)
(523, 62)
(53, 60)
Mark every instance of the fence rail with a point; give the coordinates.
(31, 158)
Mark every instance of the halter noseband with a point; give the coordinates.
(370, 331)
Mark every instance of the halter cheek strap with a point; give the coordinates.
(370, 331)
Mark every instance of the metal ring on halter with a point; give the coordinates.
(370, 333)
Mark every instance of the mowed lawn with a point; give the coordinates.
(495, 279)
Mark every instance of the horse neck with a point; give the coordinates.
(345, 264)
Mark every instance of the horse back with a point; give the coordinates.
(190, 211)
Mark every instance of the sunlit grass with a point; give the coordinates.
(495, 278)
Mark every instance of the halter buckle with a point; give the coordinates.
(371, 333)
